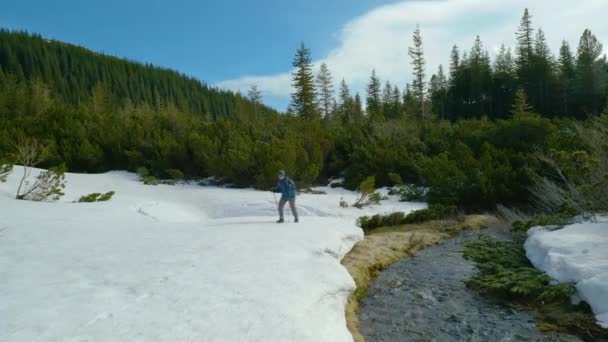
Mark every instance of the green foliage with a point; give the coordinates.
(143, 172)
(151, 180)
(106, 197)
(505, 271)
(5, 170)
(175, 174)
(409, 192)
(563, 217)
(89, 198)
(48, 185)
(96, 197)
(110, 79)
(436, 212)
(395, 178)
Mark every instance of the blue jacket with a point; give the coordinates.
(286, 187)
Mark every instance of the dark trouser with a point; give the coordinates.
(292, 204)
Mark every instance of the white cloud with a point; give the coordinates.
(380, 38)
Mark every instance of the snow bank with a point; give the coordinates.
(174, 263)
(577, 254)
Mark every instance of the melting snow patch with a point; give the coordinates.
(578, 254)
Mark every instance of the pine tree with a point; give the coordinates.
(396, 101)
(566, 75)
(255, 96)
(504, 82)
(387, 100)
(417, 54)
(373, 107)
(525, 41)
(345, 105)
(542, 76)
(438, 89)
(590, 80)
(303, 99)
(524, 52)
(325, 90)
(521, 106)
(357, 108)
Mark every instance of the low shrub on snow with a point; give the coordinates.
(151, 180)
(175, 174)
(48, 185)
(409, 192)
(5, 170)
(96, 197)
(435, 212)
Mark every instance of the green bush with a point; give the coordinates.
(96, 197)
(395, 178)
(5, 170)
(143, 172)
(409, 192)
(48, 185)
(504, 271)
(151, 180)
(175, 174)
(89, 198)
(435, 212)
(106, 197)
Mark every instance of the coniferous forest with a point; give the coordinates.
(477, 134)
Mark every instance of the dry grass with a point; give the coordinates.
(386, 246)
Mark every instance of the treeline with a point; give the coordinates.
(569, 84)
(72, 72)
(474, 156)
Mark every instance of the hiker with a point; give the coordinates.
(287, 188)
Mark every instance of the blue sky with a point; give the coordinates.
(235, 43)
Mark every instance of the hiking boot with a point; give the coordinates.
(296, 221)
(280, 220)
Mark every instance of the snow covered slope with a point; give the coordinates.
(174, 263)
(577, 254)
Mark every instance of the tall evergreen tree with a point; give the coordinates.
(357, 108)
(525, 50)
(566, 75)
(525, 41)
(255, 96)
(303, 99)
(396, 102)
(590, 75)
(345, 103)
(504, 82)
(417, 54)
(438, 89)
(374, 99)
(542, 76)
(325, 90)
(387, 100)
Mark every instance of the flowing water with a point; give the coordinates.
(424, 299)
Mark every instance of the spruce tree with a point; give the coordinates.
(438, 90)
(525, 42)
(357, 108)
(255, 96)
(303, 99)
(504, 82)
(345, 105)
(566, 75)
(417, 54)
(373, 101)
(590, 75)
(325, 90)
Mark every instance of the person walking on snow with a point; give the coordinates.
(287, 188)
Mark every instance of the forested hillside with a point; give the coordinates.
(72, 72)
(478, 134)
